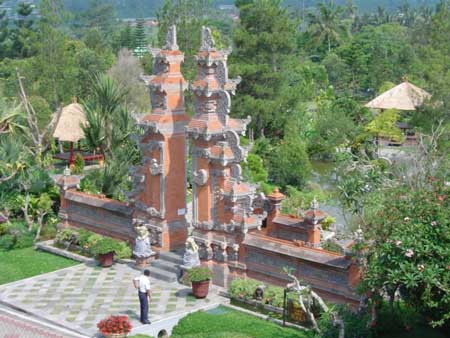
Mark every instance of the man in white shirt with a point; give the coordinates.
(142, 283)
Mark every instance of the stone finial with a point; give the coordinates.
(67, 171)
(207, 43)
(314, 204)
(171, 38)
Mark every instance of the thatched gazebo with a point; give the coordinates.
(69, 129)
(405, 96)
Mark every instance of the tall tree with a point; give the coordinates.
(264, 48)
(325, 25)
(140, 43)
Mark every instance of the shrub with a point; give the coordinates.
(66, 235)
(274, 295)
(24, 241)
(83, 238)
(123, 250)
(115, 324)
(355, 325)
(243, 288)
(78, 166)
(91, 241)
(199, 274)
(7, 242)
(3, 229)
(105, 245)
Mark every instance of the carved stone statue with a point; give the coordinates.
(142, 248)
(191, 257)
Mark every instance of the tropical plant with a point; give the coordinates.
(199, 274)
(105, 245)
(325, 24)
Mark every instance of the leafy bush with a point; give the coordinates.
(24, 241)
(91, 241)
(355, 325)
(105, 245)
(83, 239)
(3, 229)
(78, 166)
(199, 274)
(7, 242)
(123, 250)
(274, 295)
(243, 288)
(66, 235)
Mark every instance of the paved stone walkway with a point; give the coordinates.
(80, 296)
(17, 325)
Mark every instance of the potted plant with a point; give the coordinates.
(104, 249)
(199, 277)
(115, 327)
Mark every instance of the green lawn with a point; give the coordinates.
(23, 263)
(227, 323)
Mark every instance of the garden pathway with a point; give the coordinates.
(80, 296)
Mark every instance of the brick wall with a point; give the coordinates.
(101, 215)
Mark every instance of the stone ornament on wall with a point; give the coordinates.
(200, 177)
(155, 168)
(233, 141)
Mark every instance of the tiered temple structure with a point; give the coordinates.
(159, 199)
(222, 208)
(239, 233)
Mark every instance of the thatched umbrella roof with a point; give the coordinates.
(68, 126)
(405, 96)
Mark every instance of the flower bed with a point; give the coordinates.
(114, 326)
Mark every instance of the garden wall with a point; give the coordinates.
(333, 276)
(101, 215)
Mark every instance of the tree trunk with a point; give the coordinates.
(40, 223)
(28, 220)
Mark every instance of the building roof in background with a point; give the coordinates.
(405, 96)
(68, 127)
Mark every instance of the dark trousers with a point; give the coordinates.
(143, 300)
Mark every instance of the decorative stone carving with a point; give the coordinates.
(207, 43)
(171, 38)
(233, 140)
(155, 168)
(142, 247)
(153, 212)
(223, 104)
(191, 256)
(200, 177)
(236, 172)
(158, 99)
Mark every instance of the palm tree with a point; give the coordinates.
(325, 23)
(12, 119)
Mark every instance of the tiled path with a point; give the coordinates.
(16, 325)
(79, 297)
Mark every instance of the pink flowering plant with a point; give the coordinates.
(409, 253)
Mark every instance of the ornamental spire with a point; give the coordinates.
(171, 38)
(207, 44)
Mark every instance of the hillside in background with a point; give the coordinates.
(146, 8)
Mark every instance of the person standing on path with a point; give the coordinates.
(142, 283)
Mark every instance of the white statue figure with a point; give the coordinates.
(191, 257)
(142, 247)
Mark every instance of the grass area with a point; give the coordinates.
(23, 263)
(227, 323)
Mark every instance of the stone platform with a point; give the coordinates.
(77, 298)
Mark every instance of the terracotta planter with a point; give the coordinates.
(115, 335)
(106, 260)
(200, 289)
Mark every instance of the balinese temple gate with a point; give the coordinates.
(240, 233)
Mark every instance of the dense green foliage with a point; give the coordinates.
(229, 324)
(25, 263)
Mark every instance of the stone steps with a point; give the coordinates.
(166, 266)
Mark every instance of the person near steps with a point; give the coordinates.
(142, 283)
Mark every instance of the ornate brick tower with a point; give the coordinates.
(159, 199)
(222, 203)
